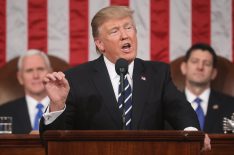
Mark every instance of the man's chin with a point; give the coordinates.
(38, 91)
(199, 83)
(129, 58)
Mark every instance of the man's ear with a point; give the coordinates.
(99, 44)
(20, 78)
(183, 68)
(50, 69)
(214, 73)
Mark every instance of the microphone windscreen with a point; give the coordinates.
(121, 66)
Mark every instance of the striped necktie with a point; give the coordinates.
(38, 116)
(200, 113)
(126, 95)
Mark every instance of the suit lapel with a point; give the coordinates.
(23, 118)
(105, 88)
(140, 92)
(212, 113)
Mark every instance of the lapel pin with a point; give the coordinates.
(143, 78)
(215, 107)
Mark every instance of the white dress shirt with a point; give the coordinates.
(204, 97)
(32, 110)
(115, 77)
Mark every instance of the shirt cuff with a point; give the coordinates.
(49, 117)
(190, 128)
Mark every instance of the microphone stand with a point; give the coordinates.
(121, 68)
(123, 95)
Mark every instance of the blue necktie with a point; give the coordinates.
(38, 116)
(200, 113)
(127, 97)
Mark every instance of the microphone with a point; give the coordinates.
(121, 68)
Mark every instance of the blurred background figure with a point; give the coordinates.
(27, 111)
(199, 69)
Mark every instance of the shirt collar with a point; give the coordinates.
(204, 96)
(31, 102)
(111, 68)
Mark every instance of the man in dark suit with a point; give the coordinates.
(32, 67)
(86, 97)
(199, 68)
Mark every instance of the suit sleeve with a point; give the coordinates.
(177, 110)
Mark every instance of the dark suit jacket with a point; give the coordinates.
(91, 103)
(219, 106)
(19, 111)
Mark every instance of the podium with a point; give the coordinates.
(141, 143)
(21, 144)
(110, 142)
(221, 144)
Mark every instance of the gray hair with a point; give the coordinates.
(33, 52)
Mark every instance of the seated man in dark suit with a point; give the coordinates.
(199, 68)
(26, 111)
(87, 97)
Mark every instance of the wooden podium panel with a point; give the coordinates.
(123, 142)
(116, 142)
(221, 144)
(12, 144)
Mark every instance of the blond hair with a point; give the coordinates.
(107, 13)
